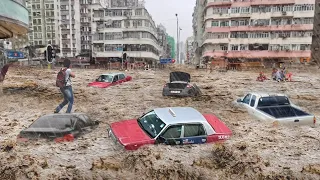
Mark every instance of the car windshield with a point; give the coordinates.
(105, 78)
(151, 124)
(273, 101)
(57, 122)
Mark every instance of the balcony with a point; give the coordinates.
(242, 3)
(14, 18)
(259, 54)
(291, 27)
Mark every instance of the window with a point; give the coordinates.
(138, 12)
(116, 78)
(173, 132)
(304, 47)
(122, 76)
(215, 23)
(246, 99)
(304, 7)
(253, 100)
(224, 47)
(153, 125)
(224, 23)
(192, 130)
(127, 23)
(273, 101)
(234, 47)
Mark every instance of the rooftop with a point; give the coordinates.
(176, 115)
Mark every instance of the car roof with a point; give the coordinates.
(177, 115)
(66, 115)
(111, 74)
(266, 94)
(184, 82)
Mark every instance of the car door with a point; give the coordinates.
(194, 134)
(246, 101)
(251, 105)
(122, 78)
(115, 80)
(172, 135)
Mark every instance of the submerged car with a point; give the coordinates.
(107, 80)
(171, 126)
(180, 85)
(59, 127)
(276, 108)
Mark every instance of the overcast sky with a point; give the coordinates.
(163, 11)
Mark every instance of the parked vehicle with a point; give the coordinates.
(180, 85)
(107, 80)
(275, 108)
(171, 126)
(58, 127)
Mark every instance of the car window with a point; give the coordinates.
(115, 78)
(173, 132)
(122, 76)
(57, 122)
(79, 125)
(105, 78)
(191, 130)
(246, 99)
(151, 124)
(253, 100)
(273, 101)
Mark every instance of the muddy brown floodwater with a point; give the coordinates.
(256, 150)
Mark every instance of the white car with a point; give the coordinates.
(276, 108)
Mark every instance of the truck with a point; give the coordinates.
(276, 108)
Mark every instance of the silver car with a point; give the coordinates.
(180, 85)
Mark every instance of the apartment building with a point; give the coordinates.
(189, 52)
(198, 29)
(260, 32)
(124, 27)
(315, 46)
(42, 22)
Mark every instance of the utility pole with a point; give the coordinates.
(179, 46)
(177, 38)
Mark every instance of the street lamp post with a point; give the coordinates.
(177, 38)
(179, 45)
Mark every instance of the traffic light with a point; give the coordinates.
(49, 53)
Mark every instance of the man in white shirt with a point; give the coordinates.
(67, 91)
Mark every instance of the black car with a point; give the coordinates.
(180, 85)
(59, 127)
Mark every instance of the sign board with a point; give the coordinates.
(15, 54)
(167, 61)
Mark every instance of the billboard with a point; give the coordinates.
(15, 54)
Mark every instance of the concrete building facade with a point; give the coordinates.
(13, 18)
(189, 51)
(42, 24)
(261, 32)
(125, 27)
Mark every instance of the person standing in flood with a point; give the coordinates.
(65, 84)
(3, 72)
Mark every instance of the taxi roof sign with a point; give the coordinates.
(172, 113)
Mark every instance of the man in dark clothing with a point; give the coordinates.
(66, 91)
(4, 71)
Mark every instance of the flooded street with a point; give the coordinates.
(257, 150)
